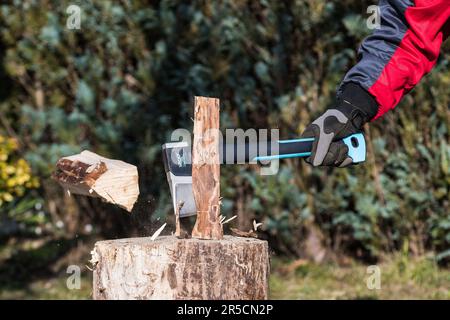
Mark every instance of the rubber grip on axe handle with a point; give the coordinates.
(295, 148)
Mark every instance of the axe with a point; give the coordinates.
(178, 162)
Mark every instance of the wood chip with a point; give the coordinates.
(256, 225)
(229, 220)
(240, 233)
(158, 232)
(94, 259)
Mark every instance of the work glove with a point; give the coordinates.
(354, 107)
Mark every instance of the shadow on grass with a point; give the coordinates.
(26, 266)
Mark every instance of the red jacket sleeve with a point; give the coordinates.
(399, 53)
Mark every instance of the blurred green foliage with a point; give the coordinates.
(122, 83)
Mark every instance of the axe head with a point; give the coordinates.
(178, 166)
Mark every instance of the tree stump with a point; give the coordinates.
(170, 268)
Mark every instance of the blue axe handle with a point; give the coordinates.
(300, 148)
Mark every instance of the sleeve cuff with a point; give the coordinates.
(359, 98)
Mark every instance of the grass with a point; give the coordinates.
(54, 288)
(37, 270)
(401, 277)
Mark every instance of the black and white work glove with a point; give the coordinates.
(355, 107)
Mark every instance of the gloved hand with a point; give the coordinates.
(354, 108)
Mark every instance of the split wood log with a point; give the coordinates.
(171, 268)
(92, 175)
(206, 169)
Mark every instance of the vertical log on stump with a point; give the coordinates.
(206, 169)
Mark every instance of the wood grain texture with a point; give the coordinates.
(170, 268)
(206, 169)
(90, 174)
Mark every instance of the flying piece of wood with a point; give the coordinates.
(228, 220)
(158, 232)
(256, 225)
(92, 175)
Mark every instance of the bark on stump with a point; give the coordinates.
(170, 268)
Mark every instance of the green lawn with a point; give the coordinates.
(401, 278)
(54, 288)
(37, 269)
(33, 270)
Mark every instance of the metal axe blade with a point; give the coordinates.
(178, 168)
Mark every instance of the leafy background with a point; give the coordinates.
(122, 83)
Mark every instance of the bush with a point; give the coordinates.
(15, 173)
(122, 83)
(16, 184)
